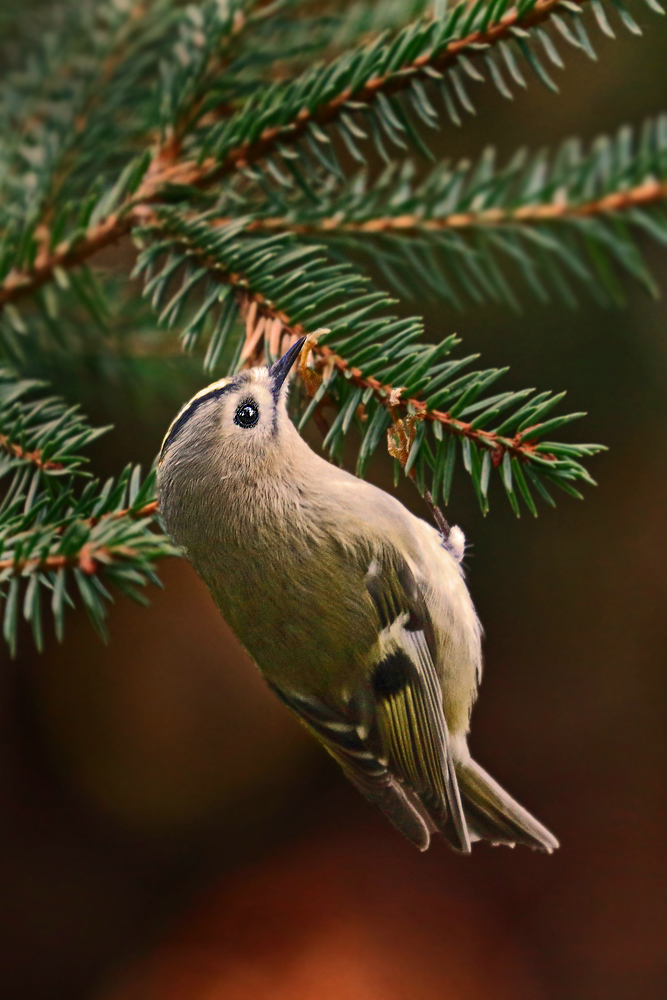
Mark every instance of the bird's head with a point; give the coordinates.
(235, 422)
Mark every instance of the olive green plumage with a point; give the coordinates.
(355, 611)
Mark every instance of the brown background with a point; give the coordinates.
(168, 831)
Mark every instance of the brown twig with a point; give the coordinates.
(88, 557)
(439, 518)
(28, 456)
(520, 446)
(166, 168)
(649, 192)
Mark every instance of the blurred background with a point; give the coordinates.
(168, 830)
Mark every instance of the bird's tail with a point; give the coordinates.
(492, 814)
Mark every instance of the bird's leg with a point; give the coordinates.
(441, 521)
(400, 437)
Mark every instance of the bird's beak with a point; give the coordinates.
(279, 371)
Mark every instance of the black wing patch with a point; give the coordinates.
(408, 696)
(391, 674)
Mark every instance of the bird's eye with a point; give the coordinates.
(247, 413)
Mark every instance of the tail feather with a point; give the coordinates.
(492, 814)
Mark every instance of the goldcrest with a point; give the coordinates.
(355, 611)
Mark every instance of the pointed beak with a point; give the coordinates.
(279, 371)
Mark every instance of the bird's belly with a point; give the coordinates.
(301, 627)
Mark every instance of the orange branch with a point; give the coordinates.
(28, 456)
(88, 557)
(87, 560)
(646, 193)
(165, 168)
(262, 310)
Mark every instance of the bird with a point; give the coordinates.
(355, 610)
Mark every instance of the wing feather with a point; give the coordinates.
(409, 704)
(351, 746)
(391, 736)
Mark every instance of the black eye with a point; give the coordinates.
(247, 414)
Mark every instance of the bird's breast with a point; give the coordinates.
(293, 598)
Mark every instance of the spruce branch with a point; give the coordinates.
(282, 288)
(58, 526)
(42, 433)
(48, 544)
(87, 556)
(118, 38)
(34, 457)
(108, 99)
(376, 74)
(571, 214)
(297, 114)
(557, 228)
(82, 64)
(88, 559)
(646, 194)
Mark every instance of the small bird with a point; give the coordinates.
(355, 611)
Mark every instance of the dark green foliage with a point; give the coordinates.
(213, 265)
(440, 55)
(43, 434)
(240, 145)
(465, 228)
(61, 535)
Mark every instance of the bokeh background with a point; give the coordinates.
(169, 832)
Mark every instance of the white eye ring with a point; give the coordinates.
(247, 413)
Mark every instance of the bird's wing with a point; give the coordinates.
(408, 697)
(391, 740)
(352, 747)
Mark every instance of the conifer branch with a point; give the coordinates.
(41, 433)
(95, 89)
(210, 133)
(643, 195)
(66, 256)
(56, 523)
(520, 445)
(258, 276)
(222, 154)
(33, 457)
(87, 559)
(438, 59)
(562, 219)
(198, 53)
(258, 309)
